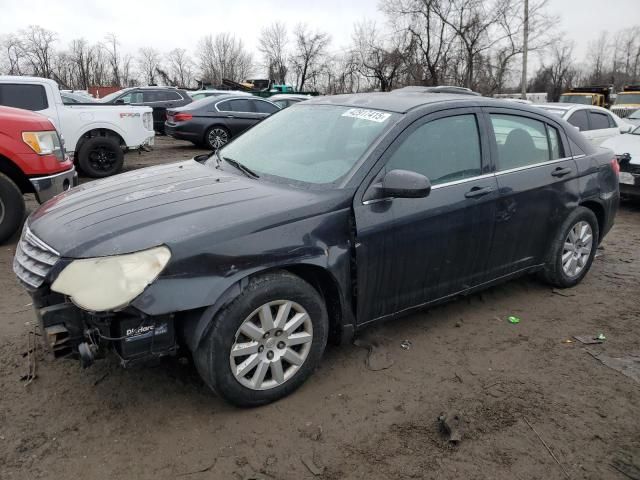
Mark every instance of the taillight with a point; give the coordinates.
(615, 166)
(182, 117)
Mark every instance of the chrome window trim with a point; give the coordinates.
(480, 177)
(534, 165)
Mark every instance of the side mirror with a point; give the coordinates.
(626, 128)
(405, 184)
(119, 101)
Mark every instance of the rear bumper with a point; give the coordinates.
(179, 133)
(51, 185)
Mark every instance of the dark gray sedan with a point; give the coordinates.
(213, 121)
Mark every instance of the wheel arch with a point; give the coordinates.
(99, 132)
(599, 211)
(197, 323)
(16, 175)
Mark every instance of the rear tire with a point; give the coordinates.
(573, 249)
(12, 208)
(216, 137)
(100, 157)
(279, 357)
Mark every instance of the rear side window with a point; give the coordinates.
(240, 105)
(521, 141)
(28, 97)
(444, 150)
(264, 107)
(599, 120)
(579, 119)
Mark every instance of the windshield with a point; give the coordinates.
(110, 97)
(316, 144)
(627, 98)
(581, 99)
(635, 115)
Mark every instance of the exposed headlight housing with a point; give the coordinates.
(110, 283)
(44, 143)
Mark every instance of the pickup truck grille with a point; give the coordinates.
(623, 112)
(33, 260)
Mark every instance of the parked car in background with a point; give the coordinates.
(596, 123)
(284, 100)
(251, 258)
(214, 121)
(436, 89)
(199, 94)
(627, 148)
(69, 98)
(97, 135)
(32, 160)
(634, 118)
(158, 98)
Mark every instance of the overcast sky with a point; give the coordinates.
(167, 24)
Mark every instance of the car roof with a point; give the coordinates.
(403, 102)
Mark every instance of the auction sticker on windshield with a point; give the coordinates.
(364, 114)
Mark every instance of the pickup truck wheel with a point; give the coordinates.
(216, 137)
(12, 207)
(266, 342)
(573, 249)
(100, 157)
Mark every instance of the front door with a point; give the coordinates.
(411, 251)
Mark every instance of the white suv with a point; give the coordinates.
(596, 123)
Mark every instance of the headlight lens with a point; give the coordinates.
(44, 143)
(110, 283)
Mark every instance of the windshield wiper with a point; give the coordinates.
(244, 169)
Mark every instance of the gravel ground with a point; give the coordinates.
(517, 388)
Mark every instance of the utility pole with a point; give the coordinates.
(525, 49)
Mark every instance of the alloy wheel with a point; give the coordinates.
(577, 249)
(271, 345)
(102, 159)
(218, 138)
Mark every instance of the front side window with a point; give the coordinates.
(443, 150)
(323, 142)
(521, 141)
(28, 97)
(131, 97)
(579, 119)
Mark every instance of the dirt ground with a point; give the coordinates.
(517, 387)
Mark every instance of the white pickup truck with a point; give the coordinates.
(97, 135)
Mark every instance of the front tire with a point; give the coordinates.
(12, 207)
(266, 342)
(100, 157)
(573, 249)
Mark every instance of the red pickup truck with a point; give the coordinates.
(32, 160)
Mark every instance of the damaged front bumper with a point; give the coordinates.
(132, 336)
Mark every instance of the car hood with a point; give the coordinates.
(171, 204)
(621, 144)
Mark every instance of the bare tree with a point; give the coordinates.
(379, 60)
(180, 67)
(37, 49)
(112, 49)
(12, 47)
(148, 61)
(273, 47)
(223, 57)
(310, 49)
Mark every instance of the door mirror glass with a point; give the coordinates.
(405, 184)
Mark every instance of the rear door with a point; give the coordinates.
(411, 251)
(538, 185)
